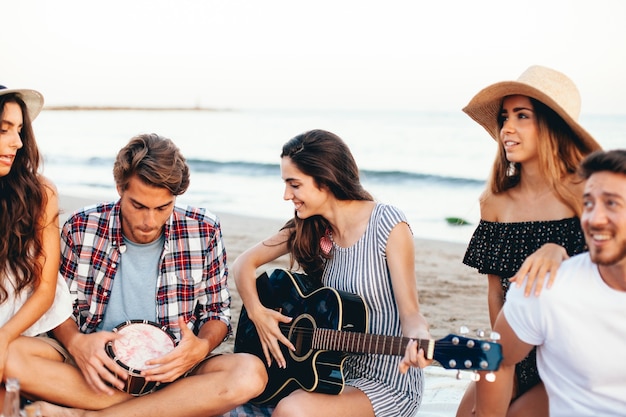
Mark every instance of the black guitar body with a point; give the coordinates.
(311, 306)
(327, 326)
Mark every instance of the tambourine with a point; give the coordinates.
(141, 341)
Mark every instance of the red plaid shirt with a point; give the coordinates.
(192, 279)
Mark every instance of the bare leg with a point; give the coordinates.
(2, 393)
(533, 403)
(221, 384)
(43, 375)
(49, 410)
(351, 402)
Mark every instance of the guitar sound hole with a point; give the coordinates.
(301, 335)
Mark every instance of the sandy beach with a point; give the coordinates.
(451, 294)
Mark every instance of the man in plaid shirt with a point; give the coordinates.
(142, 258)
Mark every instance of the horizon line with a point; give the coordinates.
(143, 108)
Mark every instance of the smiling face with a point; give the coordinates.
(144, 210)
(604, 218)
(10, 141)
(519, 132)
(307, 197)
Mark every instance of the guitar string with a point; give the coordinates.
(308, 332)
(390, 344)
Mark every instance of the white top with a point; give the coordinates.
(579, 326)
(60, 310)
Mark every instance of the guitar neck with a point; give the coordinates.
(352, 342)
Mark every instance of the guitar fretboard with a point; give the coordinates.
(329, 339)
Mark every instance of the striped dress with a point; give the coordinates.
(362, 269)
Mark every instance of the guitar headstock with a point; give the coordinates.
(463, 353)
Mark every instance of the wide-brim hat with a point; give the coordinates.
(546, 85)
(33, 99)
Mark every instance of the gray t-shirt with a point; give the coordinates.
(133, 296)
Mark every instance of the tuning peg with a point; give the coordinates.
(490, 377)
(463, 330)
(475, 376)
(459, 375)
(485, 346)
(480, 333)
(494, 336)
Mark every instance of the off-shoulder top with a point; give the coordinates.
(500, 248)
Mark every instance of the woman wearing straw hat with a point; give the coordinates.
(29, 248)
(531, 206)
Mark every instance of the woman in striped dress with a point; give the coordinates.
(340, 235)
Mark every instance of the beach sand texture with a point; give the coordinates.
(450, 294)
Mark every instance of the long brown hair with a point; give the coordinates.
(22, 210)
(560, 152)
(325, 157)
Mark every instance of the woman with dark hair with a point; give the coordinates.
(29, 247)
(342, 237)
(531, 207)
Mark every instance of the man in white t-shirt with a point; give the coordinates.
(579, 325)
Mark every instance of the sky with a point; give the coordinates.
(337, 54)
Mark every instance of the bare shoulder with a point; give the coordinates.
(491, 204)
(49, 187)
(52, 200)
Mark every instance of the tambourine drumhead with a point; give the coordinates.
(141, 341)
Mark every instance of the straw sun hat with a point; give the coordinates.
(32, 98)
(550, 87)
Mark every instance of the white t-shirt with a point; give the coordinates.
(579, 326)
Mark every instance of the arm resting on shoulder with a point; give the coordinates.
(544, 262)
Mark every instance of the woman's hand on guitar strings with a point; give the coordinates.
(270, 334)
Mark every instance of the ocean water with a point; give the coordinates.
(431, 165)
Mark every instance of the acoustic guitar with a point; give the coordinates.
(327, 326)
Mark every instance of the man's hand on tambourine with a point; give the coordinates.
(185, 356)
(98, 369)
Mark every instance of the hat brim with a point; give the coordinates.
(33, 99)
(485, 107)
